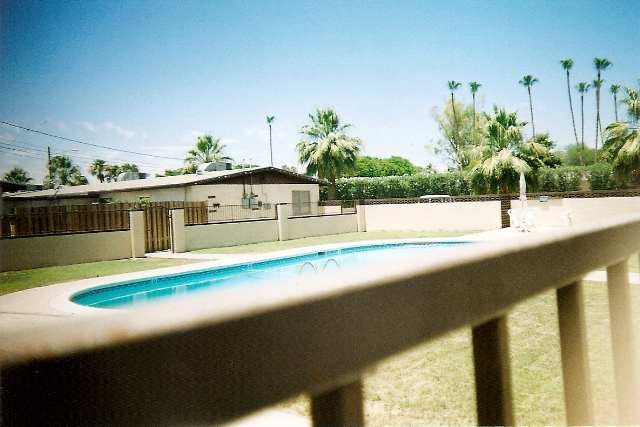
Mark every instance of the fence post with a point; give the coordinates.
(283, 211)
(137, 232)
(178, 238)
(361, 216)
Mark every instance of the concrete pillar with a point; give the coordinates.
(137, 231)
(178, 235)
(361, 216)
(283, 211)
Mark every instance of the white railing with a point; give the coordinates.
(196, 360)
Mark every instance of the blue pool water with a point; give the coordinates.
(124, 294)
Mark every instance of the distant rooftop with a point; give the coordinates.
(158, 182)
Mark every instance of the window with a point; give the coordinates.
(301, 201)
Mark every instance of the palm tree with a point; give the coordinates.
(499, 163)
(582, 87)
(453, 86)
(17, 176)
(623, 138)
(327, 150)
(597, 84)
(96, 168)
(600, 64)
(269, 121)
(528, 81)
(474, 86)
(64, 172)
(207, 149)
(614, 91)
(632, 102)
(567, 64)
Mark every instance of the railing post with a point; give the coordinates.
(575, 360)
(339, 407)
(492, 373)
(622, 341)
(137, 232)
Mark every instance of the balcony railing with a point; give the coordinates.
(197, 360)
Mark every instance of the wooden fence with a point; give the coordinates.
(100, 217)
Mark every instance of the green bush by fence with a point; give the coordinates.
(564, 178)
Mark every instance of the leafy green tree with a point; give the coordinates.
(185, 170)
(600, 64)
(207, 149)
(582, 87)
(270, 120)
(111, 172)
(327, 150)
(632, 102)
(614, 88)
(567, 64)
(64, 172)
(96, 168)
(528, 81)
(458, 137)
(474, 86)
(391, 166)
(577, 155)
(17, 176)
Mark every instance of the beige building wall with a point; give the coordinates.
(460, 216)
(321, 225)
(563, 212)
(44, 251)
(230, 234)
(231, 194)
(156, 195)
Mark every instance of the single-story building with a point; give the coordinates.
(246, 187)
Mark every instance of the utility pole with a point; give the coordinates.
(49, 166)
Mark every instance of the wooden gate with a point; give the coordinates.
(157, 236)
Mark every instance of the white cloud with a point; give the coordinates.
(89, 126)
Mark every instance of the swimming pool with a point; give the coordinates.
(296, 267)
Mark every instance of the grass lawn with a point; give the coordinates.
(433, 383)
(333, 238)
(13, 281)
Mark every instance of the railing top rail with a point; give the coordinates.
(216, 359)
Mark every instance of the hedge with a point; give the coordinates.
(564, 178)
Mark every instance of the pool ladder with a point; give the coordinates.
(315, 269)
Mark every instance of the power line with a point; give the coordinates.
(86, 143)
(34, 148)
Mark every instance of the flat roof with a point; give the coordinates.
(158, 182)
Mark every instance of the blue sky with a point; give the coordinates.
(151, 75)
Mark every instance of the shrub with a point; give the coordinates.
(452, 183)
(601, 177)
(565, 178)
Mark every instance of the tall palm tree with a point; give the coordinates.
(567, 64)
(64, 172)
(17, 176)
(582, 87)
(601, 64)
(474, 86)
(270, 120)
(327, 150)
(614, 91)
(597, 84)
(528, 81)
(96, 168)
(207, 149)
(453, 86)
